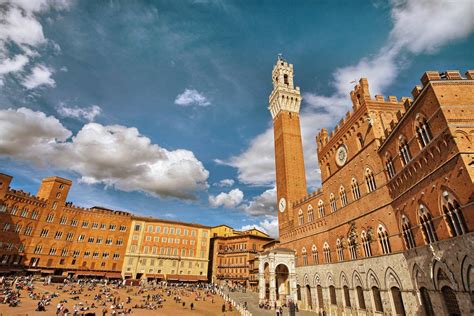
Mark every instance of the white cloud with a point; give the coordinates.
(13, 64)
(268, 225)
(263, 204)
(30, 135)
(423, 26)
(225, 183)
(191, 97)
(40, 75)
(88, 114)
(256, 165)
(21, 27)
(114, 155)
(447, 21)
(227, 200)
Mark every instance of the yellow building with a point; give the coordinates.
(166, 250)
(227, 231)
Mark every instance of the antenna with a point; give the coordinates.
(280, 56)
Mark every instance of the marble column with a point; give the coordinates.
(273, 297)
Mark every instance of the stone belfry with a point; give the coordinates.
(285, 101)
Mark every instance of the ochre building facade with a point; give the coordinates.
(389, 231)
(45, 234)
(160, 250)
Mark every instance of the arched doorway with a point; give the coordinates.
(309, 299)
(282, 282)
(397, 301)
(426, 302)
(450, 301)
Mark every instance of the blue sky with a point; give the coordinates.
(160, 107)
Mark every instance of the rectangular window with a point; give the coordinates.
(63, 220)
(69, 236)
(123, 228)
(85, 224)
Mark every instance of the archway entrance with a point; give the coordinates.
(309, 299)
(277, 277)
(450, 301)
(282, 282)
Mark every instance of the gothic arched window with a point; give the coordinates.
(370, 180)
(389, 165)
(366, 244)
(310, 214)
(429, 233)
(300, 217)
(384, 241)
(314, 254)
(327, 253)
(352, 247)
(321, 208)
(340, 250)
(423, 132)
(407, 233)
(355, 189)
(332, 200)
(343, 196)
(404, 150)
(304, 256)
(453, 215)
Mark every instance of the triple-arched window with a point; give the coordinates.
(340, 250)
(366, 243)
(304, 256)
(404, 150)
(389, 166)
(384, 240)
(423, 132)
(352, 245)
(453, 215)
(407, 233)
(355, 189)
(332, 200)
(370, 180)
(314, 254)
(300, 217)
(427, 227)
(310, 214)
(343, 196)
(321, 208)
(327, 253)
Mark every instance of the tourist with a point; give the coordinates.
(192, 306)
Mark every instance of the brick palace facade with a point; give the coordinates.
(390, 229)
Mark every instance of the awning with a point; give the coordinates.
(90, 273)
(47, 271)
(172, 277)
(33, 270)
(113, 275)
(155, 276)
(192, 278)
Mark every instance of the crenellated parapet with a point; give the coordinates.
(361, 102)
(307, 198)
(25, 197)
(418, 90)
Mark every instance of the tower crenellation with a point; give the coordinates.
(285, 96)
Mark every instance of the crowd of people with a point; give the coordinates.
(103, 297)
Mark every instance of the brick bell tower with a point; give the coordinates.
(285, 101)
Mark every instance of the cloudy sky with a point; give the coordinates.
(160, 107)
